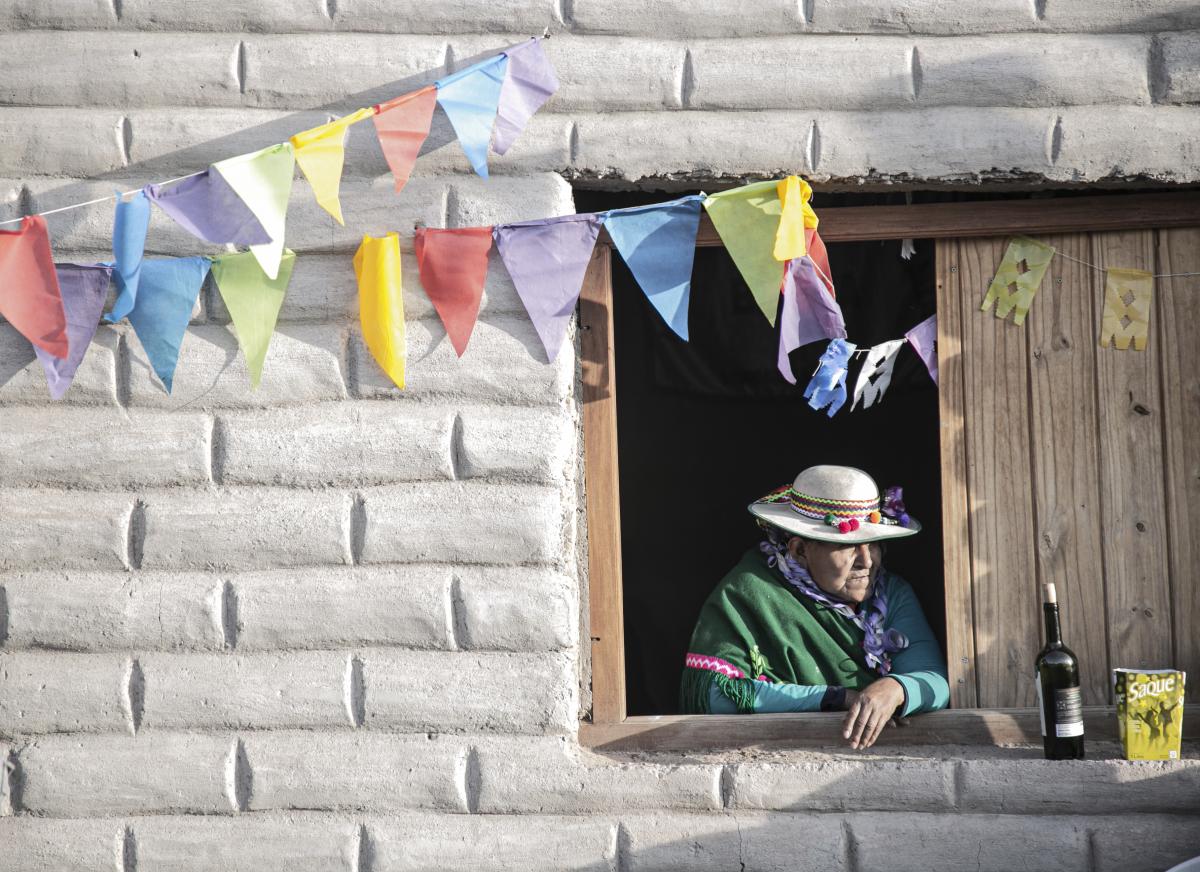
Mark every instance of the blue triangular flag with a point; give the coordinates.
(658, 243)
(470, 98)
(129, 242)
(828, 385)
(169, 289)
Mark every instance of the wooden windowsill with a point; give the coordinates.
(823, 730)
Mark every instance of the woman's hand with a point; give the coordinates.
(869, 710)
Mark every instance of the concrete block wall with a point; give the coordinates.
(334, 625)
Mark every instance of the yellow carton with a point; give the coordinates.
(1149, 712)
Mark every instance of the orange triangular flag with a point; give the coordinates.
(402, 125)
(453, 266)
(30, 298)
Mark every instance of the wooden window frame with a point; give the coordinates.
(610, 728)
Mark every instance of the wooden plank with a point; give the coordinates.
(1133, 502)
(1062, 367)
(960, 616)
(603, 496)
(999, 217)
(817, 730)
(1000, 501)
(1175, 332)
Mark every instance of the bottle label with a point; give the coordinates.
(1068, 713)
(1037, 681)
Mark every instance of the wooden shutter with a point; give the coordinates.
(1071, 463)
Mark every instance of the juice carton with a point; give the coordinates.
(1149, 712)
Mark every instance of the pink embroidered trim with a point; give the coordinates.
(713, 664)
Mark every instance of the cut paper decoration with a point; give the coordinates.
(321, 153)
(130, 224)
(923, 339)
(809, 313)
(453, 266)
(547, 260)
(402, 125)
(658, 244)
(30, 298)
(169, 289)
(263, 179)
(528, 83)
(1018, 278)
(253, 301)
(208, 208)
(828, 385)
(381, 302)
(746, 219)
(876, 374)
(84, 290)
(796, 215)
(470, 99)
(1128, 297)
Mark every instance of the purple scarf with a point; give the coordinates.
(878, 643)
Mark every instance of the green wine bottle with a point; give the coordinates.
(1060, 702)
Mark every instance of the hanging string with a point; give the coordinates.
(1101, 269)
(116, 196)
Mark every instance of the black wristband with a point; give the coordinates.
(834, 699)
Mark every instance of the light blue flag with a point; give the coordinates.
(658, 243)
(129, 242)
(828, 385)
(470, 98)
(169, 289)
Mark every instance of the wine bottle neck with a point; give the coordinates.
(1053, 633)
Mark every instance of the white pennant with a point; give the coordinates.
(880, 362)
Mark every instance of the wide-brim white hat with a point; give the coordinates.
(837, 504)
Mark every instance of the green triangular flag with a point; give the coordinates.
(253, 301)
(747, 219)
(263, 179)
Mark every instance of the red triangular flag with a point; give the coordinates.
(30, 298)
(453, 265)
(819, 257)
(402, 125)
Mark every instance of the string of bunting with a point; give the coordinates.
(243, 202)
(1128, 293)
(769, 229)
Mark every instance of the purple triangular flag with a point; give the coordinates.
(810, 313)
(84, 290)
(923, 339)
(206, 206)
(529, 82)
(547, 260)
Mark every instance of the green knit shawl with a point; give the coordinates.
(759, 623)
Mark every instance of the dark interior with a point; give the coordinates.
(707, 426)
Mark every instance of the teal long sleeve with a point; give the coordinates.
(770, 697)
(920, 668)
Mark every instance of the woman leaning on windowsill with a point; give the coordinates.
(811, 621)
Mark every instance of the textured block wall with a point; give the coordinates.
(332, 625)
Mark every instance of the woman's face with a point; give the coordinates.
(845, 572)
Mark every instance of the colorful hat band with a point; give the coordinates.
(845, 515)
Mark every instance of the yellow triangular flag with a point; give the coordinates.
(263, 179)
(321, 153)
(381, 302)
(795, 215)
